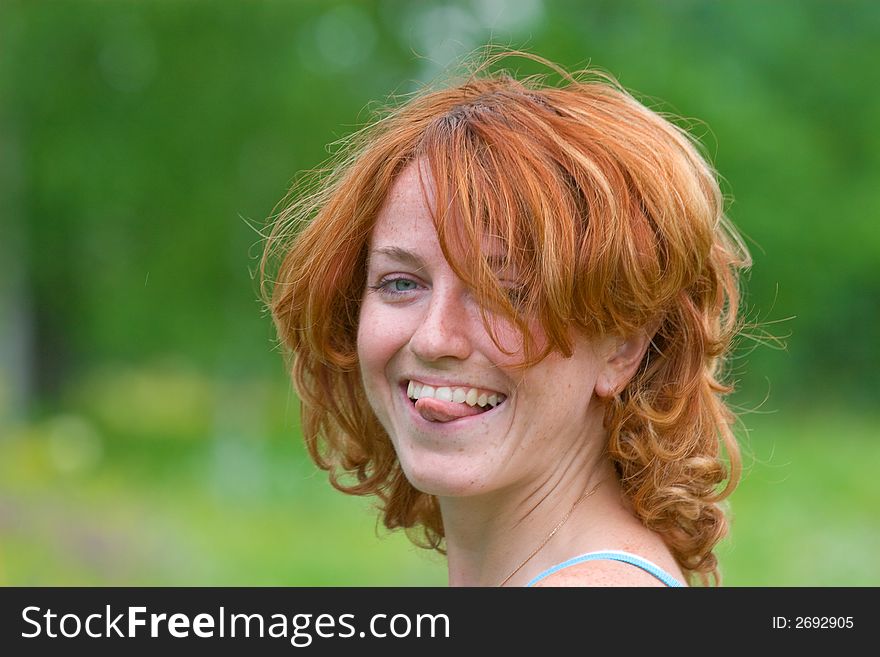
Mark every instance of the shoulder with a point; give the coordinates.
(600, 573)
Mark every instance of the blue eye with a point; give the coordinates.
(401, 284)
(395, 285)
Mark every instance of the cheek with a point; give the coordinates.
(510, 348)
(573, 383)
(379, 338)
(563, 387)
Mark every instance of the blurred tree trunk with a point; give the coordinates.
(16, 346)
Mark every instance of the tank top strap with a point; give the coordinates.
(613, 555)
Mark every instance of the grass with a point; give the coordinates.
(191, 523)
(806, 513)
(79, 506)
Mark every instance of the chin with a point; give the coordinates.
(444, 479)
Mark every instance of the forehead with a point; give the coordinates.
(406, 214)
(406, 220)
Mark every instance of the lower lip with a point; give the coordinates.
(458, 423)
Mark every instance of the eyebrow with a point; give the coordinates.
(400, 255)
(496, 262)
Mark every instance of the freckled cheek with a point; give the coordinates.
(380, 337)
(512, 341)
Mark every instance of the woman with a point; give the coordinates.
(507, 306)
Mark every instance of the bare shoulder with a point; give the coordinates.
(600, 573)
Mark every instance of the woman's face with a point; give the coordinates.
(462, 420)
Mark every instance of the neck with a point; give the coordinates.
(489, 536)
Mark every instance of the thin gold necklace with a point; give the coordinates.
(551, 534)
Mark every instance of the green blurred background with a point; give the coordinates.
(148, 434)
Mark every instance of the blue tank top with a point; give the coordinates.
(614, 555)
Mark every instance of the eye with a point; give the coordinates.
(401, 284)
(395, 285)
(516, 294)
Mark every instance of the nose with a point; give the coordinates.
(445, 328)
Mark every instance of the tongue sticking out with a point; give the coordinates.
(435, 410)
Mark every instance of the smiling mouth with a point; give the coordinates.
(474, 397)
(448, 403)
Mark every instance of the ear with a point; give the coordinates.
(621, 361)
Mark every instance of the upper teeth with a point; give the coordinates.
(469, 396)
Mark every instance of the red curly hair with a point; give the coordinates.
(617, 223)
